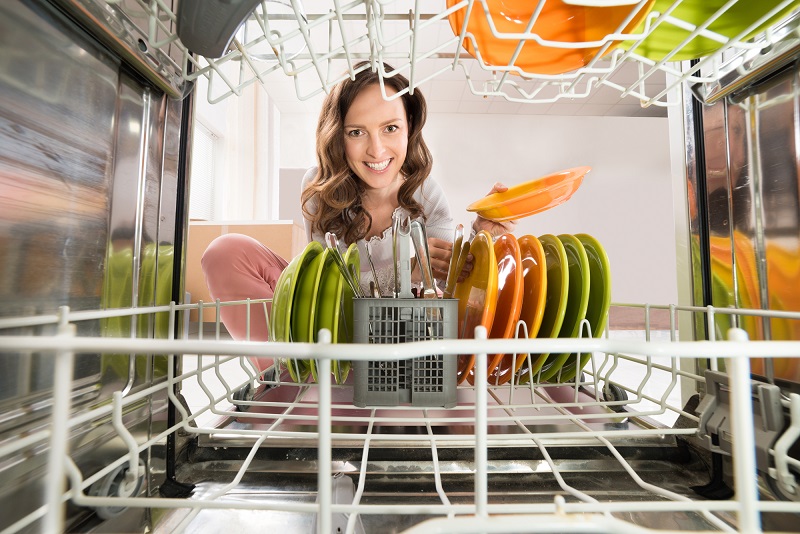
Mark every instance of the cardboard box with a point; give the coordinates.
(285, 238)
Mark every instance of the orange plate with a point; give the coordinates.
(534, 295)
(530, 197)
(477, 296)
(509, 304)
(557, 22)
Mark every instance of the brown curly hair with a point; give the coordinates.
(336, 189)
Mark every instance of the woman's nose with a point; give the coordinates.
(376, 146)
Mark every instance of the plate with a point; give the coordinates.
(534, 292)
(557, 21)
(555, 302)
(509, 305)
(667, 36)
(577, 300)
(282, 300)
(334, 309)
(599, 299)
(530, 197)
(477, 297)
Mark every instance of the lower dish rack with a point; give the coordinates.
(615, 450)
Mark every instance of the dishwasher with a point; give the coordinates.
(687, 421)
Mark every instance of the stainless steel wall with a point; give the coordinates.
(88, 202)
(753, 221)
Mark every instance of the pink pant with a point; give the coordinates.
(237, 267)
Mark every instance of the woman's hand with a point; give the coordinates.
(440, 252)
(494, 228)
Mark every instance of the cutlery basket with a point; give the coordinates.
(428, 381)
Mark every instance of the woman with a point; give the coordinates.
(373, 164)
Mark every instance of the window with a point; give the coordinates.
(205, 153)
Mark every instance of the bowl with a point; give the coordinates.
(558, 21)
(666, 37)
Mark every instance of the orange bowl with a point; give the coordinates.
(530, 197)
(557, 21)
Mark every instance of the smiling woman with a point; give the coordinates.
(372, 163)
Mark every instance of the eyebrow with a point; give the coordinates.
(384, 123)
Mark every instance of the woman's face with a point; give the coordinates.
(376, 138)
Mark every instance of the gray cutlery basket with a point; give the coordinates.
(428, 381)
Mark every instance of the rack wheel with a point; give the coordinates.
(614, 393)
(247, 393)
(779, 491)
(115, 485)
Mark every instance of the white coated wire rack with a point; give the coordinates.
(544, 418)
(317, 43)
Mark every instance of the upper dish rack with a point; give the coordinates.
(317, 43)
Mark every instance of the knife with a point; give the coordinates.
(452, 280)
(404, 258)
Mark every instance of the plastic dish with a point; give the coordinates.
(599, 299)
(555, 301)
(282, 301)
(334, 309)
(477, 297)
(534, 292)
(666, 37)
(577, 300)
(557, 21)
(509, 305)
(530, 197)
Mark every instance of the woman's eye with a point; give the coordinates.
(392, 128)
(354, 133)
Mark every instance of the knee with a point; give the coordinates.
(226, 250)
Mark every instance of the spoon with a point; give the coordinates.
(452, 280)
(458, 237)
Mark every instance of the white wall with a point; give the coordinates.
(625, 202)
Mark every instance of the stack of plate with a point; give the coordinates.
(311, 295)
(545, 287)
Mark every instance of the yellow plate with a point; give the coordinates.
(530, 197)
(509, 302)
(477, 296)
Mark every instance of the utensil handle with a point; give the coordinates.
(404, 267)
(423, 258)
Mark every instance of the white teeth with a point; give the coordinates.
(378, 166)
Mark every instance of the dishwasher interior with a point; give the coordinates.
(122, 412)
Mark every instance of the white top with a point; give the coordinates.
(438, 223)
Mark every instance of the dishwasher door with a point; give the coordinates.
(90, 218)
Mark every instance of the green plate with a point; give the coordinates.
(334, 308)
(305, 303)
(282, 300)
(577, 300)
(666, 36)
(556, 301)
(599, 299)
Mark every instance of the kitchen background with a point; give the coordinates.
(250, 153)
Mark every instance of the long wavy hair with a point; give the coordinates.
(336, 189)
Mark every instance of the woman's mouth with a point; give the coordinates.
(379, 166)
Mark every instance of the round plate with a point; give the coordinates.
(599, 299)
(534, 292)
(334, 309)
(477, 297)
(530, 197)
(557, 22)
(282, 300)
(509, 305)
(555, 301)
(577, 300)
(667, 36)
